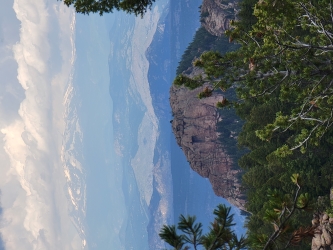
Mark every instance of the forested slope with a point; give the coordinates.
(283, 75)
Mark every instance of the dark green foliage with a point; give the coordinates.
(266, 172)
(229, 128)
(220, 235)
(247, 19)
(170, 236)
(137, 7)
(187, 82)
(203, 15)
(283, 78)
(203, 41)
(192, 231)
(283, 52)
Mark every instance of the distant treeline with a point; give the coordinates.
(203, 41)
(229, 128)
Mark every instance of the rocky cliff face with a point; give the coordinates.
(216, 15)
(194, 125)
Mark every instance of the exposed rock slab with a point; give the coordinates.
(194, 125)
(322, 226)
(217, 14)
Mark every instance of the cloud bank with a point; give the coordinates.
(36, 51)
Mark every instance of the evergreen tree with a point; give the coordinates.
(287, 51)
(283, 78)
(137, 7)
(220, 235)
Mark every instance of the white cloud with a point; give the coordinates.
(34, 200)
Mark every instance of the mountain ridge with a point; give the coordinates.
(195, 120)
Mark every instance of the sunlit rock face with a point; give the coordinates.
(217, 14)
(194, 125)
(322, 230)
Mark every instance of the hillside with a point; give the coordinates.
(282, 74)
(197, 130)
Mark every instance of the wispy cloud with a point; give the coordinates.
(34, 201)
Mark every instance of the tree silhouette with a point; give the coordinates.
(282, 233)
(137, 7)
(220, 235)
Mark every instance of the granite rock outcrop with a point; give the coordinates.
(217, 14)
(194, 126)
(322, 226)
(195, 120)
